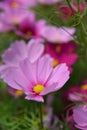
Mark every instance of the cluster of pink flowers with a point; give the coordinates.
(33, 69)
(43, 64)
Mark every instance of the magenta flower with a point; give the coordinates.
(37, 79)
(18, 51)
(58, 35)
(62, 53)
(29, 28)
(80, 116)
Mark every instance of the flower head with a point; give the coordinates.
(77, 93)
(18, 51)
(37, 79)
(62, 53)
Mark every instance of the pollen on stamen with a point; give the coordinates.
(38, 88)
(19, 92)
(14, 4)
(55, 63)
(29, 33)
(84, 87)
(58, 48)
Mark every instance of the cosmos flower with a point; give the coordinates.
(80, 116)
(77, 93)
(30, 28)
(37, 79)
(15, 93)
(62, 53)
(15, 16)
(54, 34)
(18, 51)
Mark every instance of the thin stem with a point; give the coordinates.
(72, 7)
(78, 2)
(41, 117)
(85, 31)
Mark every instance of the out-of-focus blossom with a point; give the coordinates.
(77, 93)
(29, 27)
(15, 93)
(48, 2)
(18, 51)
(62, 53)
(18, 4)
(54, 34)
(37, 79)
(67, 12)
(80, 116)
(15, 17)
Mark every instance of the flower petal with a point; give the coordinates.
(35, 97)
(35, 50)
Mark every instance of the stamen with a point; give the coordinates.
(55, 63)
(38, 88)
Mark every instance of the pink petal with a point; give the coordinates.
(35, 97)
(35, 50)
(14, 78)
(29, 70)
(44, 68)
(49, 89)
(80, 115)
(59, 75)
(15, 53)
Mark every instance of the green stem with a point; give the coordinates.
(84, 29)
(71, 6)
(41, 117)
(78, 2)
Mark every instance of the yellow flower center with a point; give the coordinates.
(15, 20)
(14, 4)
(29, 33)
(55, 63)
(84, 87)
(58, 48)
(19, 92)
(38, 88)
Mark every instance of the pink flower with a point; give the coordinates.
(29, 27)
(54, 34)
(62, 53)
(77, 93)
(18, 4)
(18, 51)
(15, 93)
(37, 79)
(80, 116)
(15, 16)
